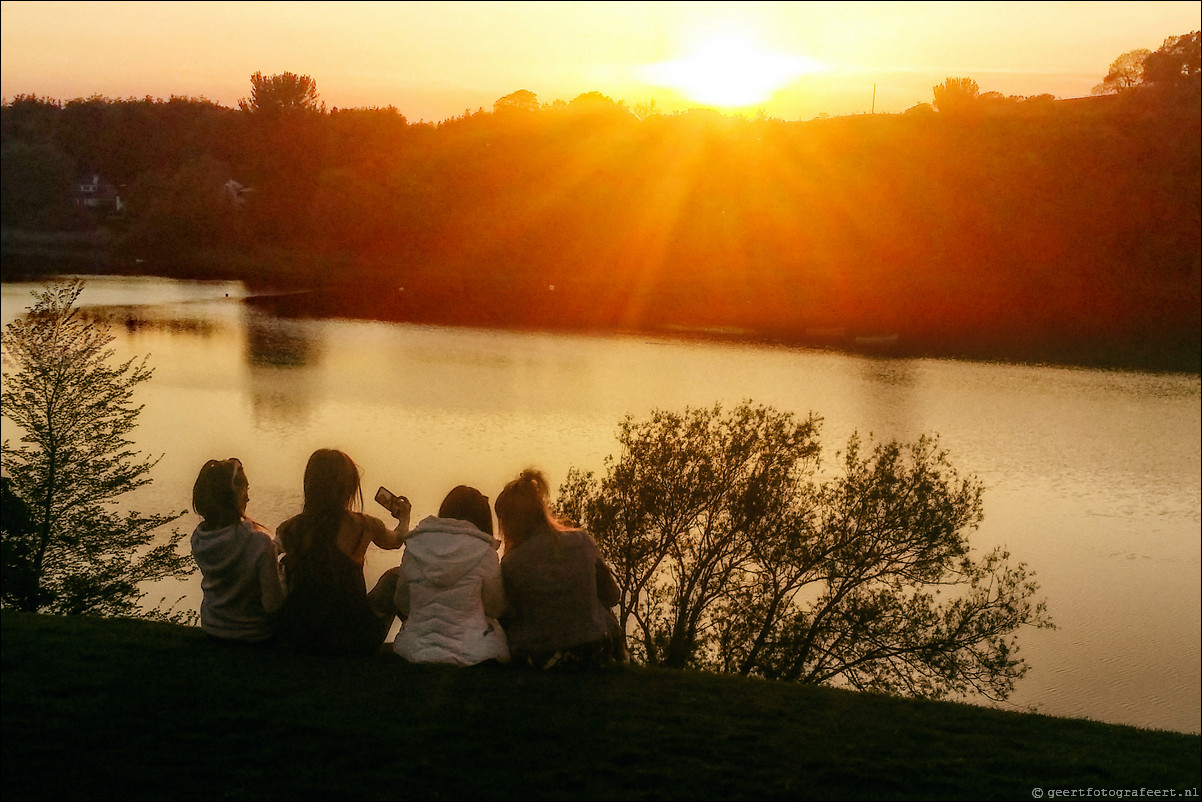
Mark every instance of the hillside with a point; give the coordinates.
(117, 709)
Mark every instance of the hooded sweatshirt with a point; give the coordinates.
(240, 581)
(451, 591)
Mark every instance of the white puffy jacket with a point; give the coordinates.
(451, 590)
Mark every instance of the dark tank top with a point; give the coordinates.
(326, 610)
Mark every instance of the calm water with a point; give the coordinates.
(1092, 477)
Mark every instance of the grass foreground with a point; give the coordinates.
(132, 710)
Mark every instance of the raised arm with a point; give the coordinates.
(393, 538)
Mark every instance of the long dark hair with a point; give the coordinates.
(331, 490)
(524, 509)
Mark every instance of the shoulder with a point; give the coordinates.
(256, 528)
(364, 530)
(255, 532)
(367, 522)
(580, 538)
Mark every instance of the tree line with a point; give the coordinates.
(976, 219)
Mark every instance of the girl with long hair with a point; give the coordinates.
(328, 610)
(237, 557)
(558, 587)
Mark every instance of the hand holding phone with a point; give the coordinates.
(393, 503)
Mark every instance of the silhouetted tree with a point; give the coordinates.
(30, 118)
(1176, 63)
(955, 94)
(733, 556)
(35, 184)
(18, 579)
(521, 100)
(596, 103)
(72, 553)
(1126, 72)
(183, 211)
(286, 130)
(645, 109)
(281, 94)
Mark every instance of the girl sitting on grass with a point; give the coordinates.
(238, 558)
(559, 589)
(449, 590)
(328, 610)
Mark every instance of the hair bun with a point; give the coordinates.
(536, 480)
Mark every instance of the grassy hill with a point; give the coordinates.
(118, 709)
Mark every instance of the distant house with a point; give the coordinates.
(236, 192)
(93, 192)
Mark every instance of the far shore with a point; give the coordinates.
(34, 256)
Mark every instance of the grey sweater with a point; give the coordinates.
(240, 581)
(559, 592)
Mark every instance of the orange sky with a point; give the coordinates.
(434, 60)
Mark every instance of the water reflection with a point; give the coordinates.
(282, 359)
(134, 319)
(275, 343)
(888, 393)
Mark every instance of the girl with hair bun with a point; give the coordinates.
(558, 587)
(328, 610)
(238, 558)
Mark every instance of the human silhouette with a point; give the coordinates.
(449, 592)
(327, 610)
(238, 558)
(558, 588)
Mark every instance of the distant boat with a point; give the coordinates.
(877, 340)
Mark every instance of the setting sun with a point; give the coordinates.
(730, 71)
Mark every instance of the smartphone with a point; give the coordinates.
(385, 498)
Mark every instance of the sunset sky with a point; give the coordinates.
(436, 60)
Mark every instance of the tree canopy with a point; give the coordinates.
(281, 94)
(1177, 63)
(1126, 73)
(521, 100)
(66, 549)
(955, 94)
(735, 553)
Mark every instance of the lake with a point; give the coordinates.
(1092, 477)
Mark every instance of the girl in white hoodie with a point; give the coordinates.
(449, 592)
(238, 558)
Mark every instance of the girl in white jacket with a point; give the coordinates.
(238, 558)
(449, 593)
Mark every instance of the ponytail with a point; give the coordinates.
(524, 508)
